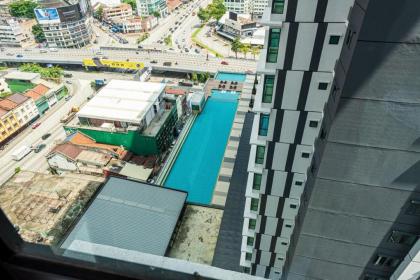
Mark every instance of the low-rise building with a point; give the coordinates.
(233, 25)
(25, 79)
(8, 124)
(136, 24)
(121, 12)
(22, 107)
(4, 87)
(173, 5)
(129, 114)
(4, 8)
(79, 153)
(16, 32)
(38, 96)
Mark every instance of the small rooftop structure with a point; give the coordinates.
(17, 98)
(137, 172)
(22, 76)
(129, 215)
(125, 101)
(7, 104)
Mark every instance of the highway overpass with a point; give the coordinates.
(181, 62)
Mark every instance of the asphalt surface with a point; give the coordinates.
(50, 123)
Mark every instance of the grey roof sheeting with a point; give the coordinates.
(228, 247)
(130, 215)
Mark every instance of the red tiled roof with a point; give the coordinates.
(7, 104)
(176, 91)
(84, 140)
(41, 89)
(68, 149)
(172, 4)
(32, 94)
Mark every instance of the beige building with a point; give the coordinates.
(8, 124)
(16, 32)
(120, 12)
(23, 108)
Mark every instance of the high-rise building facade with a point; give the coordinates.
(296, 69)
(332, 191)
(148, 7)
(254, 8)
(65, 24)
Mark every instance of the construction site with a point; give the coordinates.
(42, 207)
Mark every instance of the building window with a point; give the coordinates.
(305, 155)
(268, 89)
(278, 7)
(259, 157)
(247, 270)
(248, 256)
(273, 45)
(250, 241)
(293, 206)
(252, 223)
(298, 183)
(334, 39)
(403, 238)
(414, 208)
(313, 124)
(263, 128)
(254, 204)
(288, 226)
(386, 261)
(256, 183)
(322, 86)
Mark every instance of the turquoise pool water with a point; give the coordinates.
(225, 76)
(198, 163)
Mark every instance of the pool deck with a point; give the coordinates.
(214, 84)
(225, 173)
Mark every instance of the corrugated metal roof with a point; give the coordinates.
(130, 215)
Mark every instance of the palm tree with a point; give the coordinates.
(245, 48)
(255, 50)
(236, 46)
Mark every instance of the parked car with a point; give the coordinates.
(53, 50)
(224, 63)
(68, 97)
(69, 82)
(19, 55)
(45, 136)
(167, 63)
(68, 75)
(9, 54)
(153, 61)
(43, 51)
(39, 148)
(35, 125)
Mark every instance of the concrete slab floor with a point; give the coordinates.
(197, 235)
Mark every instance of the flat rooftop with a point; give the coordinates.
(17, 75)
(129, 215)
(122, 100)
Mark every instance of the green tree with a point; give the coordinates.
(168, 40)
(54, 72)
(245, 48)
(38, 33)
(143, 37)
(23, 8)
(203, 15)
(99, 13)
(132, 3)
(217, 9)
(255, 50)
(236, 46)
(194, 77)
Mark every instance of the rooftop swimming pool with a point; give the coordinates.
(226, 76)
(198, 163)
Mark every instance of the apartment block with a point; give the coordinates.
(332, 191)
(148, 7)
(16, 33)
(296, 71)
(121, 12)
(254, 8)
(8, 124)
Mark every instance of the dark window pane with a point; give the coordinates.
(256, 184)
(263, 128)
(334, 39)
(267, 95)
(322, 86)
(278, 7)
